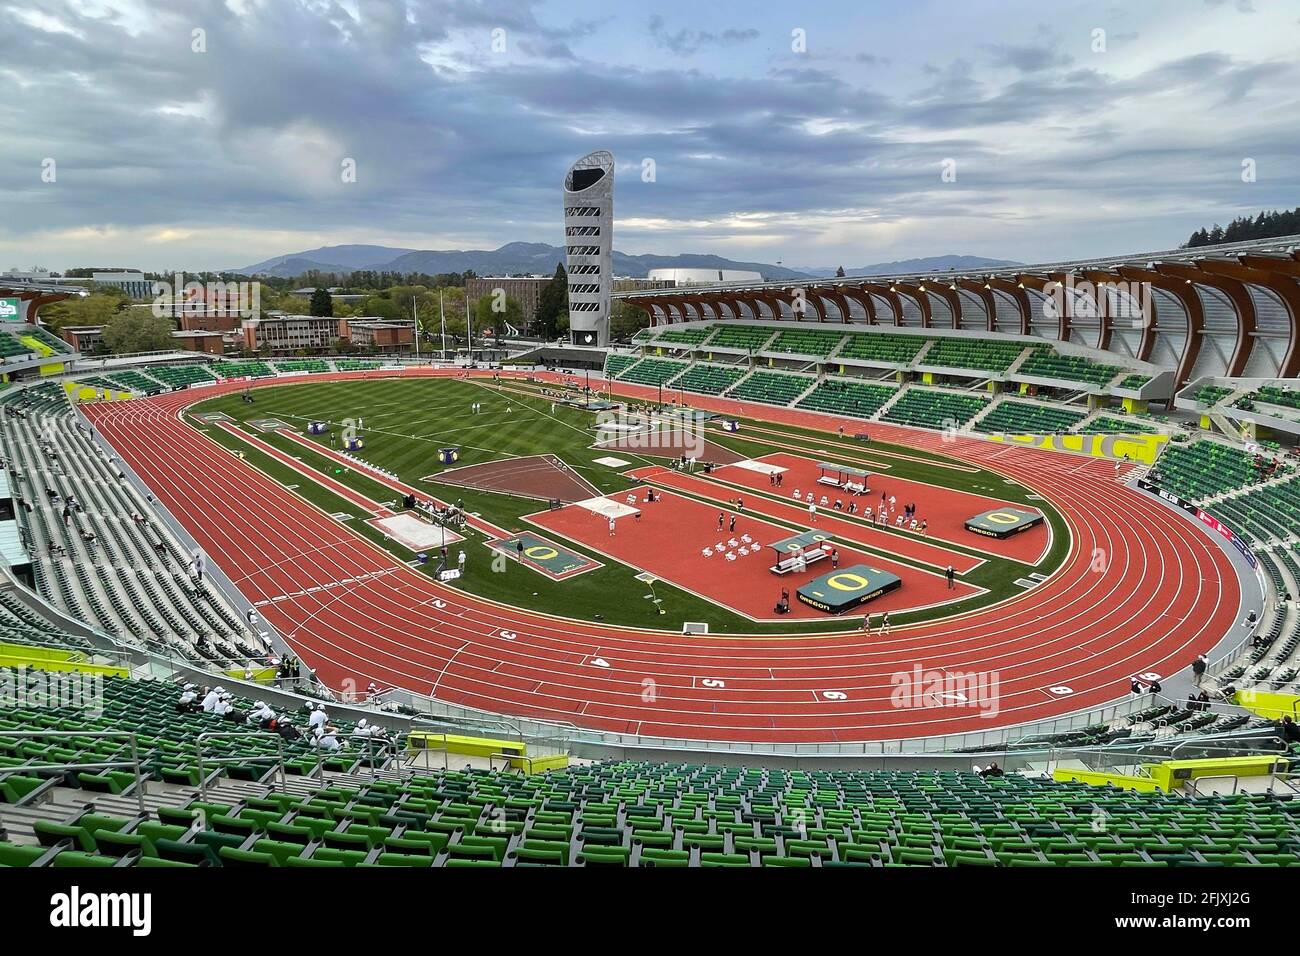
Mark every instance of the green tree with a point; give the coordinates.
(92, 310)
(137, 330)
(626, 319)
(383, 308)
(321, 303)
(495, 313)
(553, 303)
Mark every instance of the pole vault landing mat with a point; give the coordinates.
(840, 591)
(544, 556)
(1003, 522)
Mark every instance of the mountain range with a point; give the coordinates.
(539, 258)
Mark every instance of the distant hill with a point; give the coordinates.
(511, 259)
(539, 258)
(326, 258)
(906, 266)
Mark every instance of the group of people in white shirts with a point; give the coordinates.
(906, 520)
(322, 734)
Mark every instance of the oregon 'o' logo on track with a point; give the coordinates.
(540, 552)
(847, 582)
(1002, 517)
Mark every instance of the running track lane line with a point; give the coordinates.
(767, 682)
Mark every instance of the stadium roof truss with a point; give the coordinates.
(1227, 310)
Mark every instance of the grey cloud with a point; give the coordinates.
(684, 42)
(479, 142)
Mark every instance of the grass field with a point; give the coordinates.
(405, 421)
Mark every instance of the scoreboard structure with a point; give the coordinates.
(843, 590)
(1003, 522)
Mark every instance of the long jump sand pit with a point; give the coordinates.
(414, 532)
(535, 476)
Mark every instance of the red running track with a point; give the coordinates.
(1166, 592)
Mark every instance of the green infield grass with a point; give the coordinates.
(405, 421)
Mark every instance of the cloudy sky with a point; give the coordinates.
(814, 133)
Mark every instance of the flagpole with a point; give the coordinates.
(415, 315)
(442, 352)
(469, 326)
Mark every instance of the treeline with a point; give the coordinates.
(1267, 225)
(368, 280)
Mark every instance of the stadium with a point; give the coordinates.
(984, 567)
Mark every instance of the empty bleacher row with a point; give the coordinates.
(863, 399)
(19, 624)
(153, 379)
(12, 348)
(1104, 424)
(929, 408)
(1273, 395)
(1027, 418)
(884, 347)
(615, 814)
(1205, 468)
(706, 379)
(1045, 363)
(652, 371)
(1266, 513)
(810, 342)
(26, 343)
(1212, 394)
(93, 561)
(985, 354)
(771, 388)
(834, 343)
(848, 397)
(690, 336)
(228, 370)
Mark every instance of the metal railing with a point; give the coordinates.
(133, 763)
(259, 735)
(1194, 791)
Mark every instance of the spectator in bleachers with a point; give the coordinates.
(285, 728)
(211, 699)
(318, 718)
(326, 738)
(1290, 730)
(260, 713)
(188, 699)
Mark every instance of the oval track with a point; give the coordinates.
(1166, 593)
